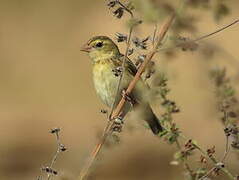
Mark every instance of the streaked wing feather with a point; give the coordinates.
(130, 65)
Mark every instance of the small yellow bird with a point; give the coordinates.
(106, 58)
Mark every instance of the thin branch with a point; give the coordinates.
(127, 9)
(186, 165)
(107, 131)
(202, 37)
(217, 31)
(215, 161)
(58, 151)
(205, 154)
(123, 69)
(60, 148)
(155, 32)
(207, 174)
(227, 149)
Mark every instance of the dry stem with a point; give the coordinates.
(202, 37)
(215, 161)
(58, 151)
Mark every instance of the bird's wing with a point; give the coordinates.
(129, 65)
(139, 93)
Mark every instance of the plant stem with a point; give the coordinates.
(201, 37)
(215, 161)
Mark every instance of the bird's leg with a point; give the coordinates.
(118, 121)
(128, 97)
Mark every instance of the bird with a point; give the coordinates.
(106, 60)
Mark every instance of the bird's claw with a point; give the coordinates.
(127, 97)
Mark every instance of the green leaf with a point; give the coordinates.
(163, 133)
(229, 91)
(178, 155)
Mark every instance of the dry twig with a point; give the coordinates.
(60, 148)
(201, 37)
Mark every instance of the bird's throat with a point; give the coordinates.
(97, 57)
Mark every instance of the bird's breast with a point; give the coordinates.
(105, 82)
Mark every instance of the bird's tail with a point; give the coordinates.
(154, 124)
(150, 118)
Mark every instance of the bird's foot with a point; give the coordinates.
(127, 97)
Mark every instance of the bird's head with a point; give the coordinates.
(100, 48)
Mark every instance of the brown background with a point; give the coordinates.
(46, 82)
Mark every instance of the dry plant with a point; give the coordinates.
(176, 21)
(48, 171)
(171, 133)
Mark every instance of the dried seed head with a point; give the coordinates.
(211, 151)
(142, 44)
(190, 45)
(121, 37)
(103, 111)
(118, 120)
(139, 60)
(117, 125)
(220, 165)
(119, 12)
(130, 51)
(189, 144)
(203, 159)
(49, 170)
(187, 44)
(117, 71)
(55, 130)
(112, 3)
(227, 131)
(62, 147)
(142, 57)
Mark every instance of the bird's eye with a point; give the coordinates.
(99, 44)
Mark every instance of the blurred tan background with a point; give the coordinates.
(46, 82)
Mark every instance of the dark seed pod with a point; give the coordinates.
(119, 12)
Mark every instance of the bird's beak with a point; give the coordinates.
(86, 48)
